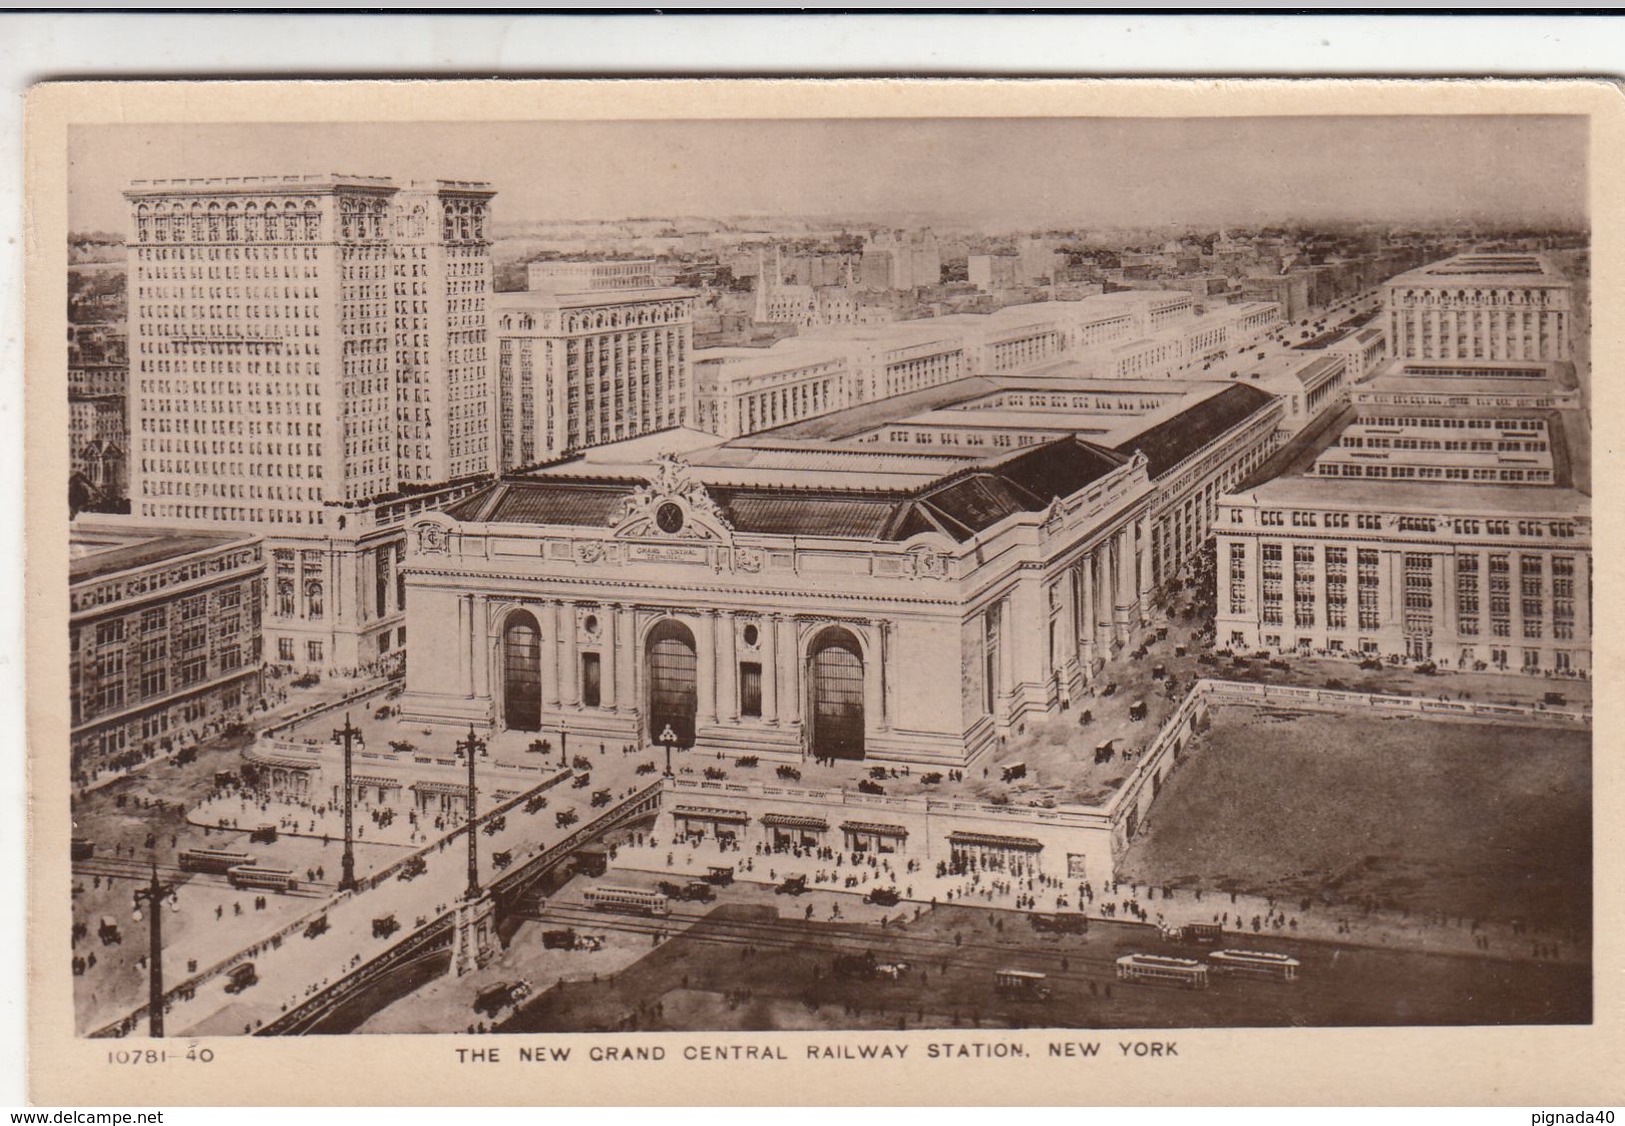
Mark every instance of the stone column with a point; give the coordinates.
(874, 705)
(626, 677)
(887, 686)
(770, 680)
(1444, 601)
(706, 672)
(1083, 604)
(1125, 576)
(569, 660)
(480, 627)
(727, 669)
(789, 671)
(548, 615)
(1145, 567)
(465, 625)
(608, 633)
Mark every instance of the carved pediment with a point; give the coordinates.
(671, 507)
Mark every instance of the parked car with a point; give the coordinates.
(384, 926)
(792, 885)
(883, 897)
(412, 868)
(316, 928)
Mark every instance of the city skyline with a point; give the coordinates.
(1043, 172)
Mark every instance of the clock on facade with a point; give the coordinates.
(669, 518)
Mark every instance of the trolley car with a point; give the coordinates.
(217, 861)
(1258, 963)
(272, 879)
(635, 901)
(1161, 969)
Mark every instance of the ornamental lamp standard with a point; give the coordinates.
(472, 748)
(153, 895)
(348, 736)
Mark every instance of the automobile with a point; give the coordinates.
(600, 798)
(412, 868)
(1014, 771)
(1110, 689)
(565, 817)
(792, 885)
(81, 848)
(883, 897)
(582, 781)
(494, 998)
(931, 779)
(225, 778)
(536, 802)
(868, 787)
(316, 927)
(309, 680)
(789, 774)
(647, 768)
(719, 875)
(697, 891)
(581, 762)
(877, 772)
(715, 773)
(1371, 664)
(496, 825)
(263, 834)
(384, 926)
(1555, 699)
(1427, 668)
(241, 977)
(108, 932)
(500, 860)
(382, 712)
(1137, 710)
(1203, 934)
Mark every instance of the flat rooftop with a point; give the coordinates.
(1486, 269)
(98, 550)
(537, 299)
(1287, 477)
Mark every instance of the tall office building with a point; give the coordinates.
(302, 349)
(588, 360)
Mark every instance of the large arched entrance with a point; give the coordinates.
(522, 672)
(673, 685)
(836, 687)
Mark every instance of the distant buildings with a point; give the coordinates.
(1442, 513)
(304, 351)
(164, 638)
(584, 367)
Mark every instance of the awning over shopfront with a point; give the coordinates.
(705, 813)
(794, 821)
(873, 830)
(992, 840)
(376, 780)
(277, 762)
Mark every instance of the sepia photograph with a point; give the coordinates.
(786, 574)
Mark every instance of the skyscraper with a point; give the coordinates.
(302, 348)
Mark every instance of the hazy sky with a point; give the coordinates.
(997, 173)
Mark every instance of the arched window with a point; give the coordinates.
(837, 694)
(233, 230)
(313, 221)
(143, 223)
(521, 671)
(313, 598)
(214, 222)
(200, 228)
(251, 221)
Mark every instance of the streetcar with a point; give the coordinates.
(81, 848)
(217, 861)
(1022, 983)
(1259, 963)
(271, 879)
(636, 901)
(1162, 969)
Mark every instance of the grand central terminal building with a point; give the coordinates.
(817, 590)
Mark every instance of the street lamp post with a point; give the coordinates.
(153, 895)
(472, 747)
(564, 745)
(347, 736)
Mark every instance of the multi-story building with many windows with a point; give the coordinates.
(1481, 307)
(1458, 534)
(164, 638)
(576, 370)
(301, 349)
